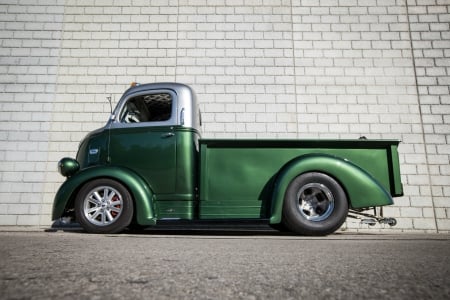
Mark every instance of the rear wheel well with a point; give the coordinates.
(338, 181)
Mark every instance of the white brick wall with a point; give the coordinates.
(261, 69)
(30, 41)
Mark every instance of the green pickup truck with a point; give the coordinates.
(149, 165)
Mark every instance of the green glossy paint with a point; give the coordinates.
(93, 149)
(150, 152)
(238, 176)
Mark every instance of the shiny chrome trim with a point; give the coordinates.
(315, 202)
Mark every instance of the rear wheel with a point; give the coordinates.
(314, 204)
(104, 206)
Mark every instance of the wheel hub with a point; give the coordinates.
(315, 202)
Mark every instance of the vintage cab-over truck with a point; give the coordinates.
(149, 164)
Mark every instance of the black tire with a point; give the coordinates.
(104, 206)
(314, 204)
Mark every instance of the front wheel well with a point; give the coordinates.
(69, 210)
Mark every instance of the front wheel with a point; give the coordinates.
(104, 206)
(314, 204)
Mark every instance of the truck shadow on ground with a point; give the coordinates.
(183, 229)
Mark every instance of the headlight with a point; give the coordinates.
(68, 166)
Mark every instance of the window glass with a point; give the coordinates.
(147, 108)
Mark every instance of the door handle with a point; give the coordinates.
(167, 135)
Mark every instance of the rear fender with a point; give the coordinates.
(140, 191)
(361, 188)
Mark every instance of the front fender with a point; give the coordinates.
(362, 189)
(141, 192)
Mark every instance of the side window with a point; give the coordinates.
(147, 108)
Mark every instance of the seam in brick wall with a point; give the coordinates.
(295, 70)
(420, 112)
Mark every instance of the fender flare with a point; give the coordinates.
(139, 189)
(362, 189)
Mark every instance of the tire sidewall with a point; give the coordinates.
(120, 223)
(297, 222)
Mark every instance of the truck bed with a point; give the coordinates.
(237, 176)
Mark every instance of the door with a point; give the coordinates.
(143, 138)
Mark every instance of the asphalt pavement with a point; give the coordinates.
(202, 264)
